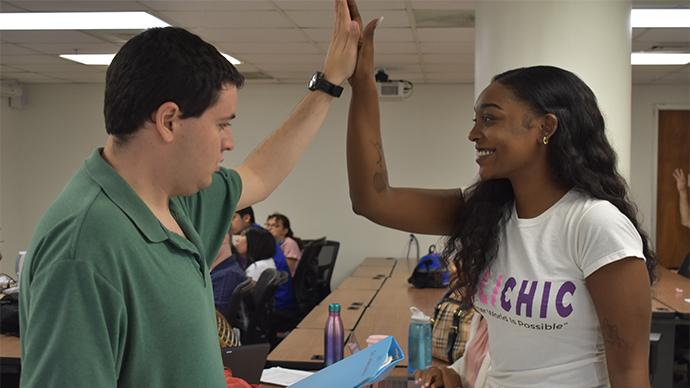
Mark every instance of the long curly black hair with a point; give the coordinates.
(580, 157)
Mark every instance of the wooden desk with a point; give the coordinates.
(10, 354)
(393, 321)
(356, 283)
(374, 272)
(403, 268)
(397, 293)
(669, 309)
(301, 345)
(347, 298)
(316, 319)
(379, 262)
(672, 289)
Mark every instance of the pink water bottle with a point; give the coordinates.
(333, 338)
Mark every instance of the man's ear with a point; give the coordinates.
(166, 118)
(246, 218)
(549, 126)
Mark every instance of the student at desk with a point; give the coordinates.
(546, 242)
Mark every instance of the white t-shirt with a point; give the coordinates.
(255, 269)
(543, 328)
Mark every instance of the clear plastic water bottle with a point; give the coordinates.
(419, 341)
(333, 338)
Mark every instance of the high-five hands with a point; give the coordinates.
(342, 51)
(365, 57)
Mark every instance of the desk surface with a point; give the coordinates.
(372, 271)
(393, 321)
(672, 289)
(9, 346)
(402, 294)
(301, 345)
(359, 283)
(379, 262)
(317, 317)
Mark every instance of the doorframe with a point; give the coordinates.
(655, 163)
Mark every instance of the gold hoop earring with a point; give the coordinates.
(545, 140)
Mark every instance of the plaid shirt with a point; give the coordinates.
(225, 277)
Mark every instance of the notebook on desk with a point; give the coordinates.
(246, 362)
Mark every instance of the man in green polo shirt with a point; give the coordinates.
(115, 288)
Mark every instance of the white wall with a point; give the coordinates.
(645, 99)
(425, 138)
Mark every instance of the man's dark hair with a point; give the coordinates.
(163, 65)
(245, 211)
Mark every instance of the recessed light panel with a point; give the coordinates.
(660, 58)
(660, 18)
(79, 21)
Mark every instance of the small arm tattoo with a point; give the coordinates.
(610, 333)
(379, 149)
(380, 181)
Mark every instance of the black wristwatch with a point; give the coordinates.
(317, 82)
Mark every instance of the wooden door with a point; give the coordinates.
(672, 239)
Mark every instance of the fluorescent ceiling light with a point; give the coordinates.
(79, 21)
(660, 18)
(232, 60)
(660, 58)
(105, 59)
(90, 59)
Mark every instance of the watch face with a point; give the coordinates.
(313, 80)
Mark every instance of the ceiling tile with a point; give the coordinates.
(445, 34)
(205, 5)
(65, 67)
(227, 19)
(77, 6)
(447, 48)
(273, 48)
(436, 4)
(73, 48)
(664, 35)
(32, 60)
(262, 59)
(13, 49)
(47, 37)
(437, 59)
(250, 35)
(395, 48)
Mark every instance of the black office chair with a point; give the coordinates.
(236, 312)
(261, 317)
(311, 284)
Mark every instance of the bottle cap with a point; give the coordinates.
(334, 308)
(419, 317)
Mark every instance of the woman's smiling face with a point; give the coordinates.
(506, 134)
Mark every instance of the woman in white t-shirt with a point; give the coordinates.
(258, 247)
(546, 242)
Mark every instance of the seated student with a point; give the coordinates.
(256, 245)
(279, 226)
(226, 275)
(244, 218)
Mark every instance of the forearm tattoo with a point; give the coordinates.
(610, 333)
(380, 178)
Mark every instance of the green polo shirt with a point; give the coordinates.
(111, 298)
